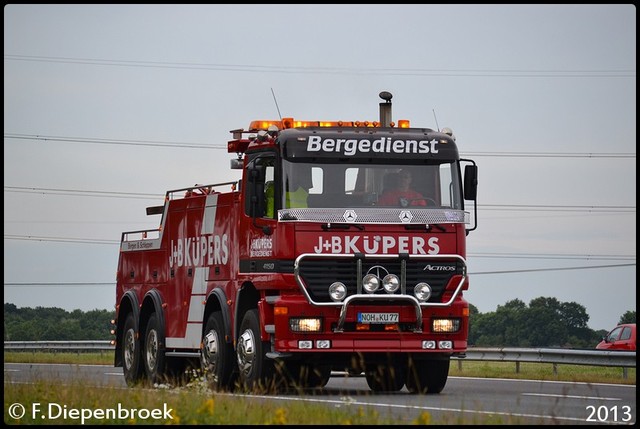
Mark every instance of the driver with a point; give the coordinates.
(402, 194)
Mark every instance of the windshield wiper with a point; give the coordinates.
(329, 225)
(424, 227)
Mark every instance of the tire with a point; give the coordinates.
(255, 371)
(317, 376)
(307, 376)
(131, 352)
(153, 351)
(427, 376)
(216, 355)
(386, 378)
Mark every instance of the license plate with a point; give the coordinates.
(378, 317)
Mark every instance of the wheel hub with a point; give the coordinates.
(210, 352)
(129, 348)
(246, 352)
(152, 349)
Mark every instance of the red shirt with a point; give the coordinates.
(395, 197)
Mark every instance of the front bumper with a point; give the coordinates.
(337, 329)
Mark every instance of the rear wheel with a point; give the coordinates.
(131, 352)
(153, 353)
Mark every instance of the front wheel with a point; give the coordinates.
(427, 376)
(255, 370)
(317, 376)
(386, 378)
(306, 376)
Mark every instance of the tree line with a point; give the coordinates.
(545, 322)
(56, 324)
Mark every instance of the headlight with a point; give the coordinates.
(370, 283)
(305, 324)
(445, 325)
(422, 291)
(337, 291)
(391, 283)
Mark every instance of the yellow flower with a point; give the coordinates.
(279, 417)
(423, 419)
(207, 407)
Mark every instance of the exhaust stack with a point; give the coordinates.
(385, 109)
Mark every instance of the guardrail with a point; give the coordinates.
(73, 346)
(622, 359)
(611, 358)
(549, 355)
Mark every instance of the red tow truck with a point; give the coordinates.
(262, 289)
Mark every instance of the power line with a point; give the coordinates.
(61, 239)
(588, 257)
(550, 155)
(81, 192)
(188, 145)
(75, 284)
(288, 69)
(554, 256)
(553, 269)
(61, 284)
(501, 207)
(548, 207)
(93, 140)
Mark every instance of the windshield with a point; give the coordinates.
(355, 185)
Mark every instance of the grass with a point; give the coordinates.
(176, 406)
(543, 371)
(83, 358)
(56, 402)
(193, 403)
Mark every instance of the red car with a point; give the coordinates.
(622, 337)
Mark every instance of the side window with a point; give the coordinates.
(260, 186)
(270, 191)
(614, 334)
(317, 180)
(445, 186)
(626, 333)
(350, 176)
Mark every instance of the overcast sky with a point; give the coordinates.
(106, 107)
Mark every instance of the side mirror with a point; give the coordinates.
(470, 182)
(255, 194)
(236, 164)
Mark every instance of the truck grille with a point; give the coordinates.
(317, 274)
